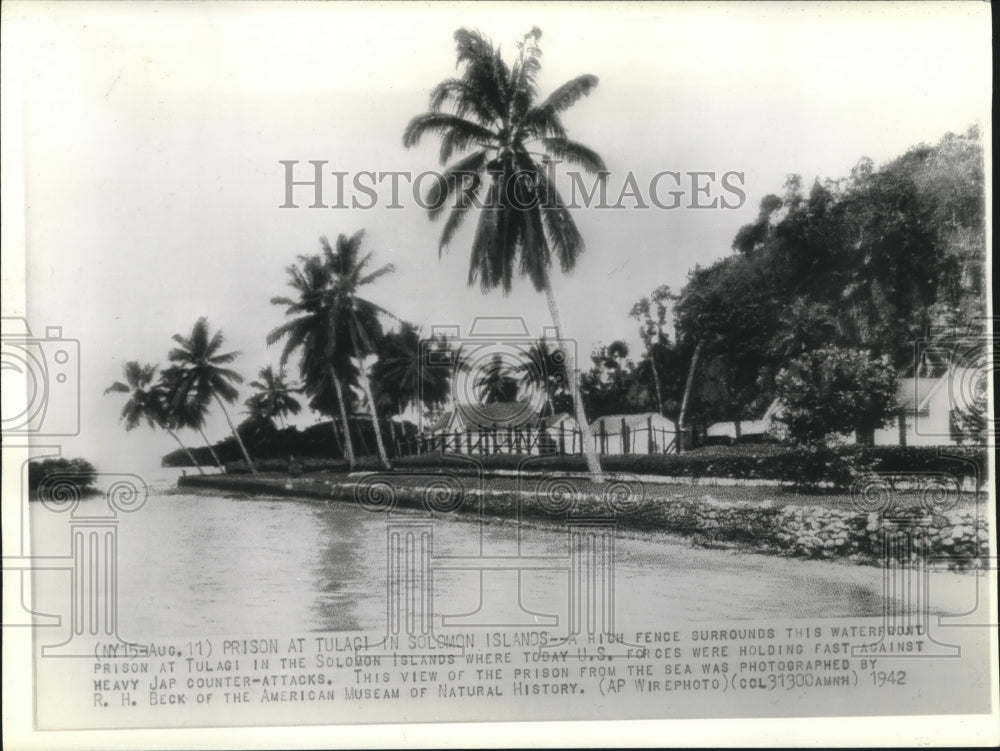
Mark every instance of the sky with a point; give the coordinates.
(143, 141)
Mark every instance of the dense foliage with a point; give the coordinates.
(822, 302)
(835, 390)
(78, 474)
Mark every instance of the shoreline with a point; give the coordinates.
(803, 527)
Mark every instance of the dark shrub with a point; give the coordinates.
(78, 472)
(799, 466)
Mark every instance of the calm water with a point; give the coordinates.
(229, 565)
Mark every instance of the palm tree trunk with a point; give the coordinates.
(335, 428)
(348, 443)
(392, 437)
(593, 462)
(420, 417)
(656, 381)
(211, 450)
(186, 451)
(682, 419)
(236, 435)
(366, 385)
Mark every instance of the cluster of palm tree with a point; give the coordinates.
(491, 111)
(405, 375)
(335, 329)
(181, 396)
(274, 397)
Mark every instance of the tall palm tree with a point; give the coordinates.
(183, 407)
(145, 403)
(513, 139)
(360, 316)
(204, 375)
(325, 358)
(274, 395)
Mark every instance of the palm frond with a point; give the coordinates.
(225, 358)
(459, 132)
(466, 100)
(575, 153)
(484, 260)
(377, 274)
(454, 222)
(535, 252)
(569, 93)
(279, 332)
(441, 190)
(117, 388)
(565, 239)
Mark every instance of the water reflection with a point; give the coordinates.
(230, 565)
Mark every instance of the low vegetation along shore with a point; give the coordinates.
(764, 519)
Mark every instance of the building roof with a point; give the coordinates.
(499, 415)
(760, 426)
(442, 422)
(554, 420)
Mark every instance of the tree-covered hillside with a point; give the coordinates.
(860, 268)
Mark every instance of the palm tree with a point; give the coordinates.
(496, 382)
(184, 408)
(547, 364)
(360, 316)
(204, 376)
(145, 403)
(325, 358)
(651, 330)
(524, 223)
(404, 374)
(274, 396)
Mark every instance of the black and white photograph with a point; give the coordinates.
(498, 375)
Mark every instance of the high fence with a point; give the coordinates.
(646, 439)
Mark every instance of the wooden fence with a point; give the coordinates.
(627, 440)
(634, 440)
